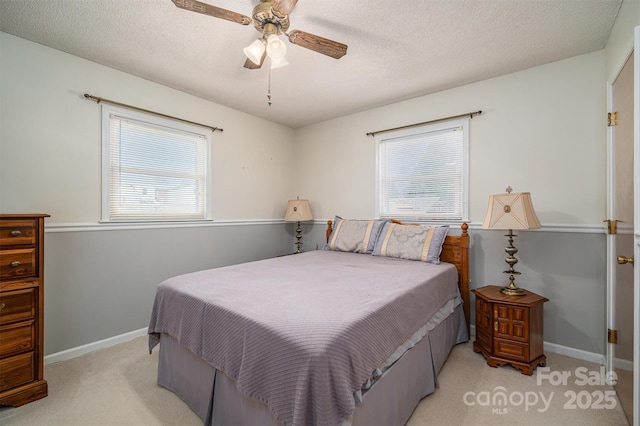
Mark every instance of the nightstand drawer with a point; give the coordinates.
(18, 232)
(16, 371)
(510, 349)
(16, 338)
(18, 263)
(17, 305)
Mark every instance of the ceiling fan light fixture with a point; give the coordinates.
(255, 51)
(270, 18)
(276, 48)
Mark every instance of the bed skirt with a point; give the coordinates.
(213, 396)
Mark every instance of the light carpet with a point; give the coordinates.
(117, 386)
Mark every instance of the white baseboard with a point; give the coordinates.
(90, 347)
(575, 353)
(623, 364)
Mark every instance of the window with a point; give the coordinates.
(153, 168)
(423, 172)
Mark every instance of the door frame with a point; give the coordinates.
(611, 238)
(636, 231)
(611, 254)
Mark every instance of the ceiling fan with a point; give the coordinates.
(271, 19)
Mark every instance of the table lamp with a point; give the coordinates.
(513, 210)
(298, 211)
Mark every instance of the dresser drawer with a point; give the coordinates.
(17, 305)
(18, 263)
(16, 338)
(18, 232)
(510, 349)
(16, 371)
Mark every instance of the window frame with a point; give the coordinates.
(380, 139)
(155, 120)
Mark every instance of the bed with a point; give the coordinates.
(352, 334)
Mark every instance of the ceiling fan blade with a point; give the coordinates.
(282, 8)
(319, 44)
(249, 64)
(216, 12)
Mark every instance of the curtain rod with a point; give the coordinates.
(453, 117)
(98, 100)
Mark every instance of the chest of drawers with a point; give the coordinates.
(21, 309)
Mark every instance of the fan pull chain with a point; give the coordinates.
(269, 89)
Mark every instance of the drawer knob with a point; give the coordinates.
(15, 233)
(14, 264)
(2, 305)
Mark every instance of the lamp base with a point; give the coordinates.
(515, 291)
(511, 289)
(298, 239)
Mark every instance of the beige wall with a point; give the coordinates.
(542, 130)
(50, 138)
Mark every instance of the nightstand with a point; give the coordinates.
(509, 329)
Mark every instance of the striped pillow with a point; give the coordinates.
(411, 242)
(358, 236)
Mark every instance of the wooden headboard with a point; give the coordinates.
(455, 250)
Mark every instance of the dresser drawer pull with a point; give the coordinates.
(2, 305)
(495, 325)
(15, 233)
(14, 264)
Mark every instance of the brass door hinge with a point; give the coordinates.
(612, 226)
(612, 118)
(612, 336)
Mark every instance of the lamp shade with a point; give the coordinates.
(298, 211)
(276, 48)
(255, 51)
(513, 210)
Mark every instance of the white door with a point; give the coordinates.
(622, 245)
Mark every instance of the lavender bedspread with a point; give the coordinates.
(301, 333)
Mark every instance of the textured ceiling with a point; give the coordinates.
(398, 49)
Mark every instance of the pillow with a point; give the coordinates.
(411, 242)
(358, 236)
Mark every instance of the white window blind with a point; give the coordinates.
(422, 173)
(154, 169)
